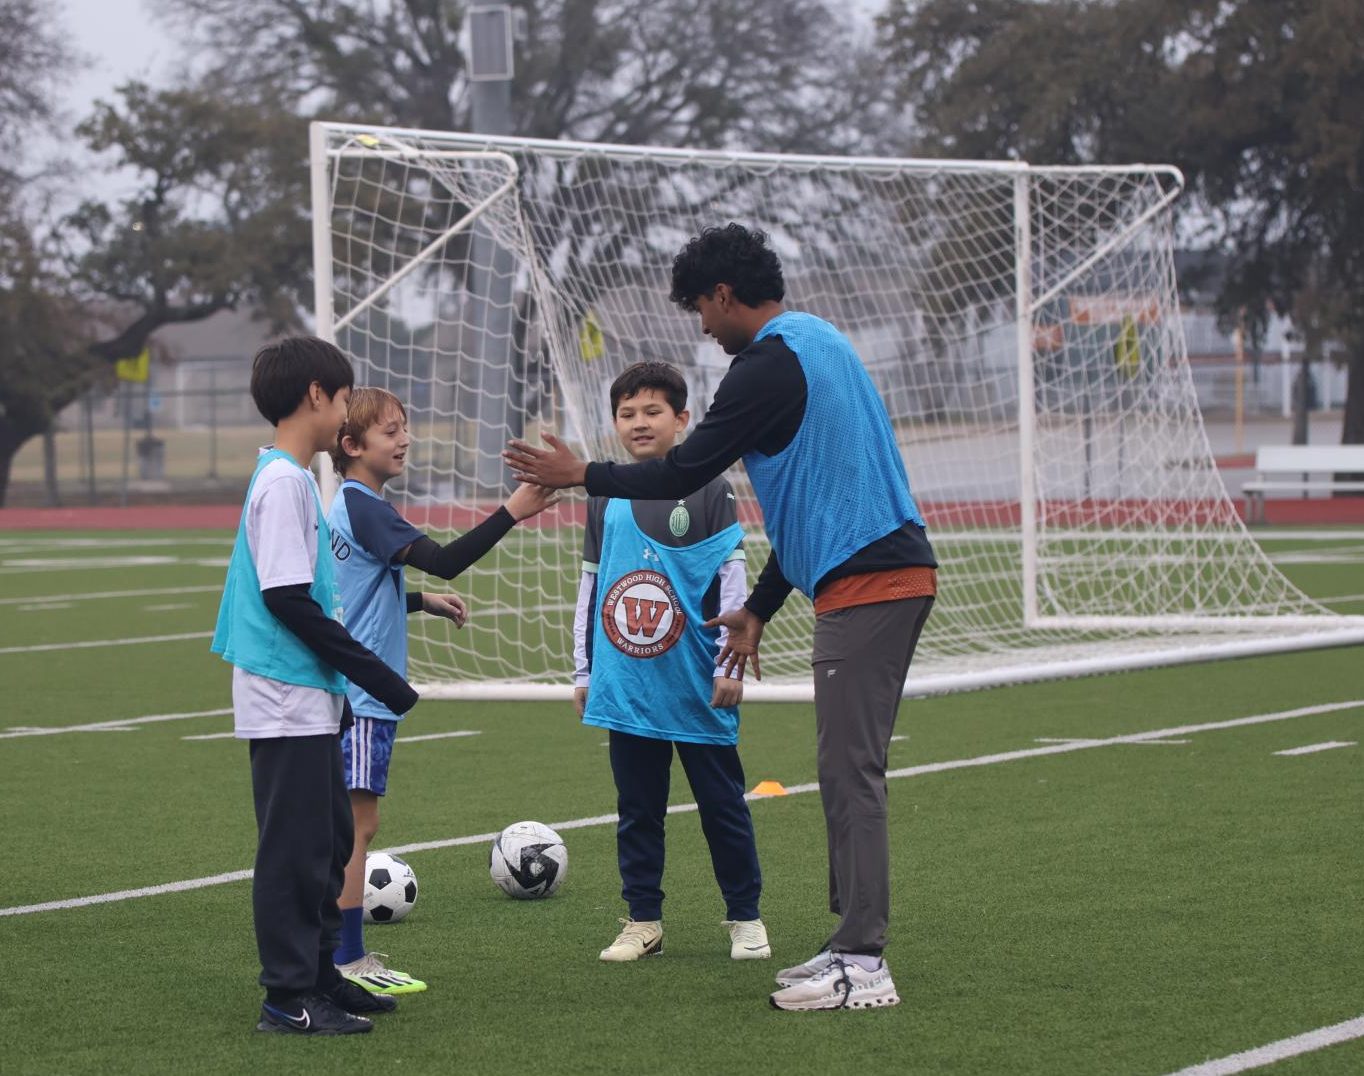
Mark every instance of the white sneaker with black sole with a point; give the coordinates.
(844, 984)
(747, 939)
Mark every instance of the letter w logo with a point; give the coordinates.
(642, 616)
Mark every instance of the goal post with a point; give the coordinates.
(1020, 323)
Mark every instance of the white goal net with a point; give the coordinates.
(1021, 324)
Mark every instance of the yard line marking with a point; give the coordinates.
(1312, 748)
(1268, 1054)
(212, 736)
(107, 642)
(146, 593)
(682, 808)
(439, 735)
(125, 724)
(1061, 739)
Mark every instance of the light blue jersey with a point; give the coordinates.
(247, 634)
(367, 533)
(652, 662)
(840, 484)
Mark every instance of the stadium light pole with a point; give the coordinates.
(491, 67)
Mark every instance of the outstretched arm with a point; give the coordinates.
(295, 608)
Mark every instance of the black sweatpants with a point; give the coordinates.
(306, 830)
(642, 768)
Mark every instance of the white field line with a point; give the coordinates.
(106, 543)
(107, 642)
(28, 566)
(167, 607)
(793, 790)
(212, 736)
(123, 725)
(1313, 748)
(1344, 599)
(151, 592)
(44, 607)
(439, 735)
(1305, 1043)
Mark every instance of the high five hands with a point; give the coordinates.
(555, 467)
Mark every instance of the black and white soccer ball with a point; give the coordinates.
(390, 888)
(528, 861)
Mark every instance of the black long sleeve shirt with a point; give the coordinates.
(758, 407)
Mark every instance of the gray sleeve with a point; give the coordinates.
(592, 532)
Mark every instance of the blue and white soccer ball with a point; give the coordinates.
(528, 861)
(390, 888)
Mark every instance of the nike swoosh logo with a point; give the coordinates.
(301, 1022)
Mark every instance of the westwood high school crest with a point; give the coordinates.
(641, 614)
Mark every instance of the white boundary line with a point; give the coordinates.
(793, 790)
(1313, 748)
(150, 592)
(1260, 1056)
(107, 642)
(123, 724)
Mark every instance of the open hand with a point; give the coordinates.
(450, 606)
(528, 500)
(556, 467)
(745, 632)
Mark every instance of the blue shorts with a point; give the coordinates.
(366, 749)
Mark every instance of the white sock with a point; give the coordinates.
(862, 960)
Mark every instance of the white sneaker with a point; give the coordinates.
(808, 970)
(635, 941)
(842, 985)
(748, 939)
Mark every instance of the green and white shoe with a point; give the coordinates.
(370, 973)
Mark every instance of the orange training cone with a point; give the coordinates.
(769, 788)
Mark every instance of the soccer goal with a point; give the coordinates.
(1021, 324)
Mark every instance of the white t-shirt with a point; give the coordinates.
(281, 531)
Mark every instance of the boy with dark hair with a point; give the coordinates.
(371, 543)
(278, 626)
(799, 409)
(646, 669)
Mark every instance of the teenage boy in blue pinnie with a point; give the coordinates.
(279, 627)
(371, 543)
(653, 572)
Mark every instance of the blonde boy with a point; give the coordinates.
(371, 543)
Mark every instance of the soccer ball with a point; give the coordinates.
(528, 861)
(390, 888)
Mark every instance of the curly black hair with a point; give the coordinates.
(733, 255)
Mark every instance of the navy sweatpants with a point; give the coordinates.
(642, 768)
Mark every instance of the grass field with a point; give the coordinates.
(1083, 883)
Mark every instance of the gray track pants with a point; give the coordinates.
(861, 656)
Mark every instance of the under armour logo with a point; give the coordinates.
(649, 554)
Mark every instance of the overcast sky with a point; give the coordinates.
(121, 40)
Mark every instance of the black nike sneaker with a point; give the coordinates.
(316, 1016)
(357, 1000)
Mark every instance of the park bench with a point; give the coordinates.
(1303, 469)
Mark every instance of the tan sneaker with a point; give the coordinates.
(748, 939)
(634, 941)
